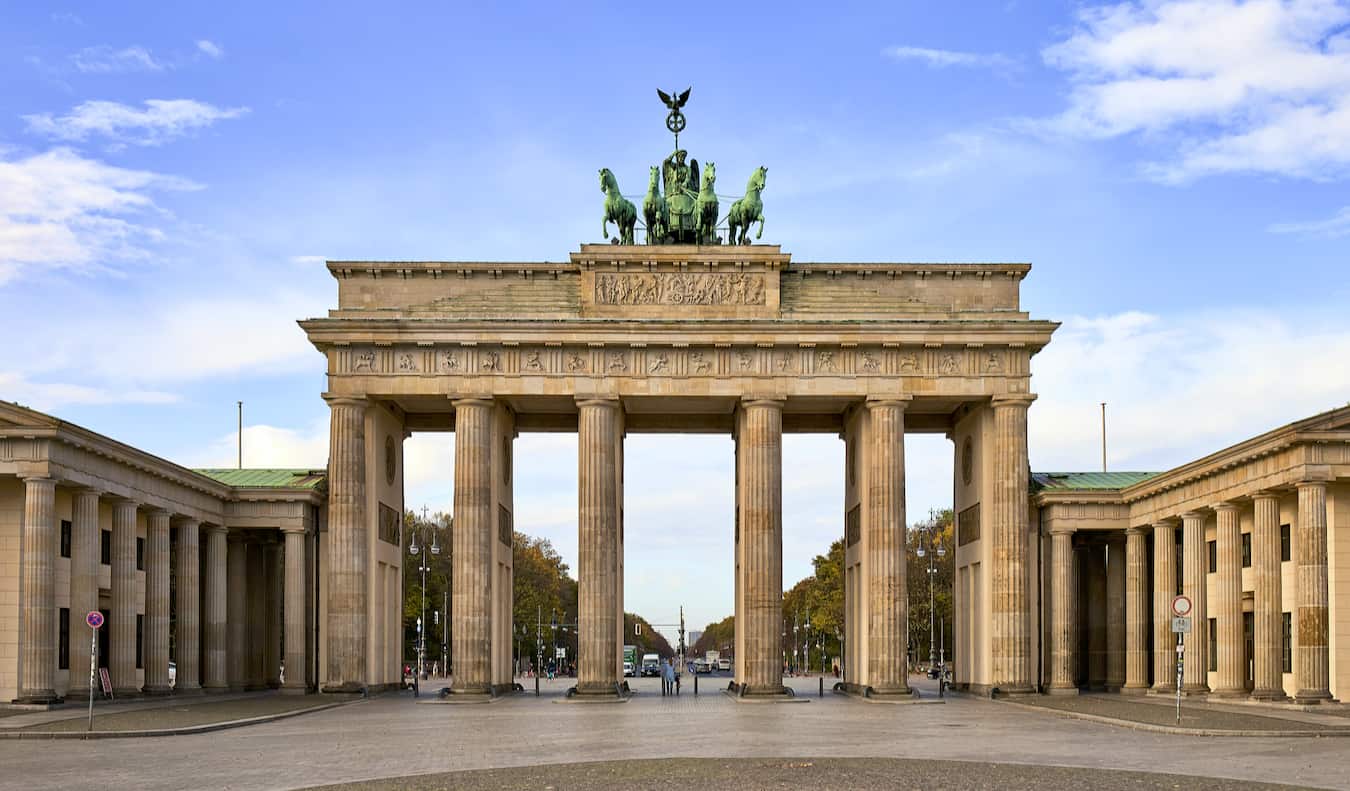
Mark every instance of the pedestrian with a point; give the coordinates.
(667, 678)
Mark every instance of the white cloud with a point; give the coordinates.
(104, 59)
(60, 209)
(210, 49)
(942, 58)
(1180, 388)
(46, 397)
(309, 260)
(1260, 86)
(159, 122)
(1333, 227)
(266, 446)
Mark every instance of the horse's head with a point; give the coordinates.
(709, 175)
(607, 180)
(656, 176)
(757, 179)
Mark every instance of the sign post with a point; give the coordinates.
(95, 621)
(1181, 625)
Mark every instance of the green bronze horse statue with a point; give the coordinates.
(705, 208)
(654, 210)
(618, 209)
(747, 210)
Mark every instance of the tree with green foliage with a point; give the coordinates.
(433, 529)
(935, 531)
(720, 636)
(647, 639)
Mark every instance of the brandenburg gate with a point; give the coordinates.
(625, 338)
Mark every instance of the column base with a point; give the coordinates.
(1134, 689)
(593, 692)
(188, 690)
(294, 689)
(1018, 691)
(215, 689)
(766, 693)
(1268, 695)
(1195, 690)
(126, 693)
(1162, 689)
(1061, 691)
(876, 694)
(1309, 697)
(158, 691)
(39, 697)
(1229, 693)
(346, 688)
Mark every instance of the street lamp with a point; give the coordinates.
(806, 644)
(939, 552)
(415, 550)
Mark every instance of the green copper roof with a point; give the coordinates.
(267, 479)
(1087, 480)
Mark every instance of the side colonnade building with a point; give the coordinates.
(211, 572)
(1257, 536)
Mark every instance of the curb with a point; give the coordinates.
(184, 731)
(1176, 731)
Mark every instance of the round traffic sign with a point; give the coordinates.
(94, 619)
(1181, 606)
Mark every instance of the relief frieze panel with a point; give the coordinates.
(679, 288)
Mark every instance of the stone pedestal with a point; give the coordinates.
(122, 637)
(348, 553)
(471, 581)
(759, 439)
(1267, 613)
(1231, 679)
(1011, 632)
(1063, 614)
(1137, 620)
(216, 672)
(598, 427)
(295, 611)
(1311, 654)
(1164, 590)
(187, 631)
(156, 627)
(37, 606)
(84, 557)
(1195, 558)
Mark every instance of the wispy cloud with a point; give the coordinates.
(65, 17)
(210, 49)
(104, 59)
(308, 260)
(943, 58)
(1333, 227)
(59, 209)
(160, 121)
(1227, 86)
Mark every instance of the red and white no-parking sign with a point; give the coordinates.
(94, 619)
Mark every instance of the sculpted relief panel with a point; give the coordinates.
(679, 288)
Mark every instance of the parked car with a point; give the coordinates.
(724, 664)
(628, 670)
(702, 666)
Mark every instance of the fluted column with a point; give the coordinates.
(1311, 655)
(598, 528)
(272, 626)
(471, 579)
(187, 625)
(1196, 561)
(1011, 633)
(157, 572)
(760, 444)
(1231, 678)
(1267, 613)
(84, 556)
(216, 677)
(348, 554)
(888, 627)
(1137, 619)
(1164, 590)
(1115, 615)
(237, 612)
(1063, 613)
(37, 655)
(122, 639)
(294, 611)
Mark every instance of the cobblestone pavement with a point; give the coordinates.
(752, 774)
(187, 713)
(391, 736)
(1200, 716)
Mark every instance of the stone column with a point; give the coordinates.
(760, 444)
(1164, 590)
(236, 618)
(597, 567)
(255, 595)
(217, 676)
(122, 639)
(1011, 634)
(1267, 613)
(294, 612)
(157, 572)
(1136, 612)
(471, 552)
(348, 554)
(888, 629)
(1115, 615)
(37, 603)
(1231, 679)
(1196, 560)
(273, 628)
(187, 631)
(1063, 613)
(84, 557)
(1311, 656)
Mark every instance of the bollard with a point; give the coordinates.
(536, 685)
(695, 684)
(822, 687)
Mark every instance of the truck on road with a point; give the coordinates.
(651, 665)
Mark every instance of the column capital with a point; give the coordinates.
(1062, 530)
(611, 402)
(291, 529)
(762, 401)
(334, 399)
(1191, 515)
(181, 520)
(472, 400)
(1167, 523)
(1137, 530)
(85, 490)
(39, 479)
(878, 402)
(1013, 399)
(1224, 506)
(1312, 483)
(209, 527)
(156, 510)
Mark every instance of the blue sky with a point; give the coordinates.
(172, 177)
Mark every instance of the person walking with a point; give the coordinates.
(667, 678)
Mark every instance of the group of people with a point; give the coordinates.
(670, 680)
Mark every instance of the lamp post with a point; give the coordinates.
(806, 644)
(554, 626)
(416, 551)
(938, 552)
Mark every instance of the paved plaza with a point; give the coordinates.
(391, 736)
